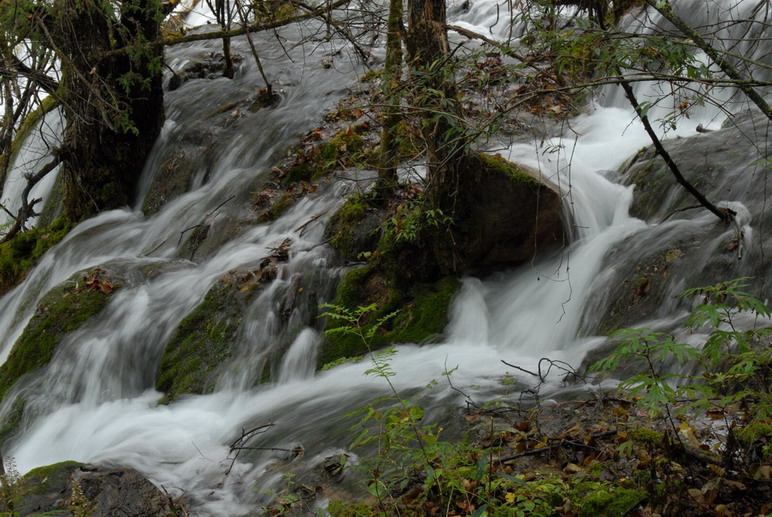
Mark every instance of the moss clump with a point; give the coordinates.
(279, 207)
(63, 310)
(421, 312)
(346, 149)
(201, 342)
(48, 471)
(349, 230)
(498, 163)
(644, 435)
(598, 499)
(23, 251)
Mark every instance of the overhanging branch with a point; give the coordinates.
(259, 27)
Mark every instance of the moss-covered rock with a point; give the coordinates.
(505, 215)
(421, 312)
(45, 489)
(24, 250)
(202, 342)
(205, 338)
(509, 215)
(356, 227)
(72, 488)
(64, 309)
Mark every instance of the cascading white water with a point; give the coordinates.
(95, 401)
(33, 154)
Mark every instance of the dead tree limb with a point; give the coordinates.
(27, 209)
(724, 215)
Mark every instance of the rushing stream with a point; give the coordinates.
(95, 402)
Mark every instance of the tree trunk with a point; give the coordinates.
(435, 94)
(113, 106)
(389, 158)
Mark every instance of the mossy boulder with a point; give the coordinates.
(202, 341)
(25, 249)
(72, 488)
(356, 227)
(508, 216)
(421, 312)
(64, 309)
(205, 338)
(505, 216)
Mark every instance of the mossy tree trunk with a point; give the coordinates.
(113, 106)
(435, 95)
(389, 159)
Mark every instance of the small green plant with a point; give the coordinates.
(10, 489)
(737, 362)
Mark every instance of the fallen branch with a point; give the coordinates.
(674, 169)
(186, 230)
(303, 226)
(245, 435)
(259, 27)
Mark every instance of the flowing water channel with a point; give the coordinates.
(95, 402)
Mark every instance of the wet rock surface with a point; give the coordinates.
(72, 488)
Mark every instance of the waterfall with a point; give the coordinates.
(95, 401)
(34, 152)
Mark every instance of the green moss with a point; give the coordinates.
(52, 211)
(22, 252)
(341, 509)
(301, 172)
(46, 487)
(63, 310)
(644, 435)
(47, 471)
(425, 317)
(279, 207)
(345, 149)
(597, 499)
(497, 163)
(421, 318)
(754, 431)
(201, 343)
(343, 223)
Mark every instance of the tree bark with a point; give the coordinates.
(113, 107)
(389, 158)
(435, 95)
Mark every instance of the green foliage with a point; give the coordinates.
(11, 489)
(416, 316)
(738, 363)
